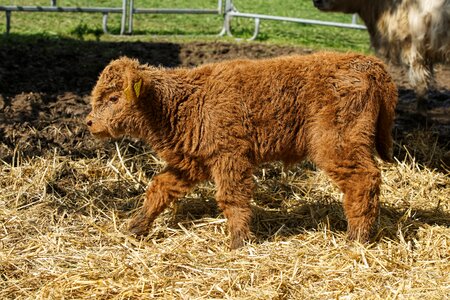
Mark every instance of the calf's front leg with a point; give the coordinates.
(164, 188)
(234, 182)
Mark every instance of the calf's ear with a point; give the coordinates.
(133, 84)
(133, 90)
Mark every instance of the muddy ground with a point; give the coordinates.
(45, 86)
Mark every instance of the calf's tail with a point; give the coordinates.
(387, 91)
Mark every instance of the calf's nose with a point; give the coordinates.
(89, 121)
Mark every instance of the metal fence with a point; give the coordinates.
(226, 8)
(53, 7)
(232, 12)
(197, 11)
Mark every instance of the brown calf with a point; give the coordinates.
(219, 121)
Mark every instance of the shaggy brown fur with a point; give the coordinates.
(413, 32)
(219, 121)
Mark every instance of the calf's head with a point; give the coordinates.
(115, 97)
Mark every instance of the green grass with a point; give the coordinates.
(192, 27)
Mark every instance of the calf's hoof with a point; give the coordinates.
(359, 229)
(361, 236)
(139, 225)
(239, 238)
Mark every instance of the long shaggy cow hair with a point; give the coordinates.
(414, 33)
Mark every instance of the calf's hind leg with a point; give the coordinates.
(164, 188)
(234, 182)
(359, 179)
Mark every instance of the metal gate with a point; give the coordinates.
(231, 11)
(227, 9)
(53, 7)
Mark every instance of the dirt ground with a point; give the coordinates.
(45, 86)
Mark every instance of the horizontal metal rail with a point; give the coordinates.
(195, 11)
(61, 9)
(297, 20)
(175, 11)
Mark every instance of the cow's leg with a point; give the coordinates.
(164, 188)
(234, 182)
(354, 170)
(421, 77)
(361, 188)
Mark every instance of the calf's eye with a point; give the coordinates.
(114, 98)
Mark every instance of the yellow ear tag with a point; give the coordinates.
(137, 88)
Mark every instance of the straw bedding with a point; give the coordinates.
(63, 236)
(65, 201)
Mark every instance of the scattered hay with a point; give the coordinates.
(63, 235)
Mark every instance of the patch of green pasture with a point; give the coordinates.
(192, 27)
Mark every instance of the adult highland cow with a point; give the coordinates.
(415, 33)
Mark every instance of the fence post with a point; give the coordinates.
(8, 21)
(130, 16)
